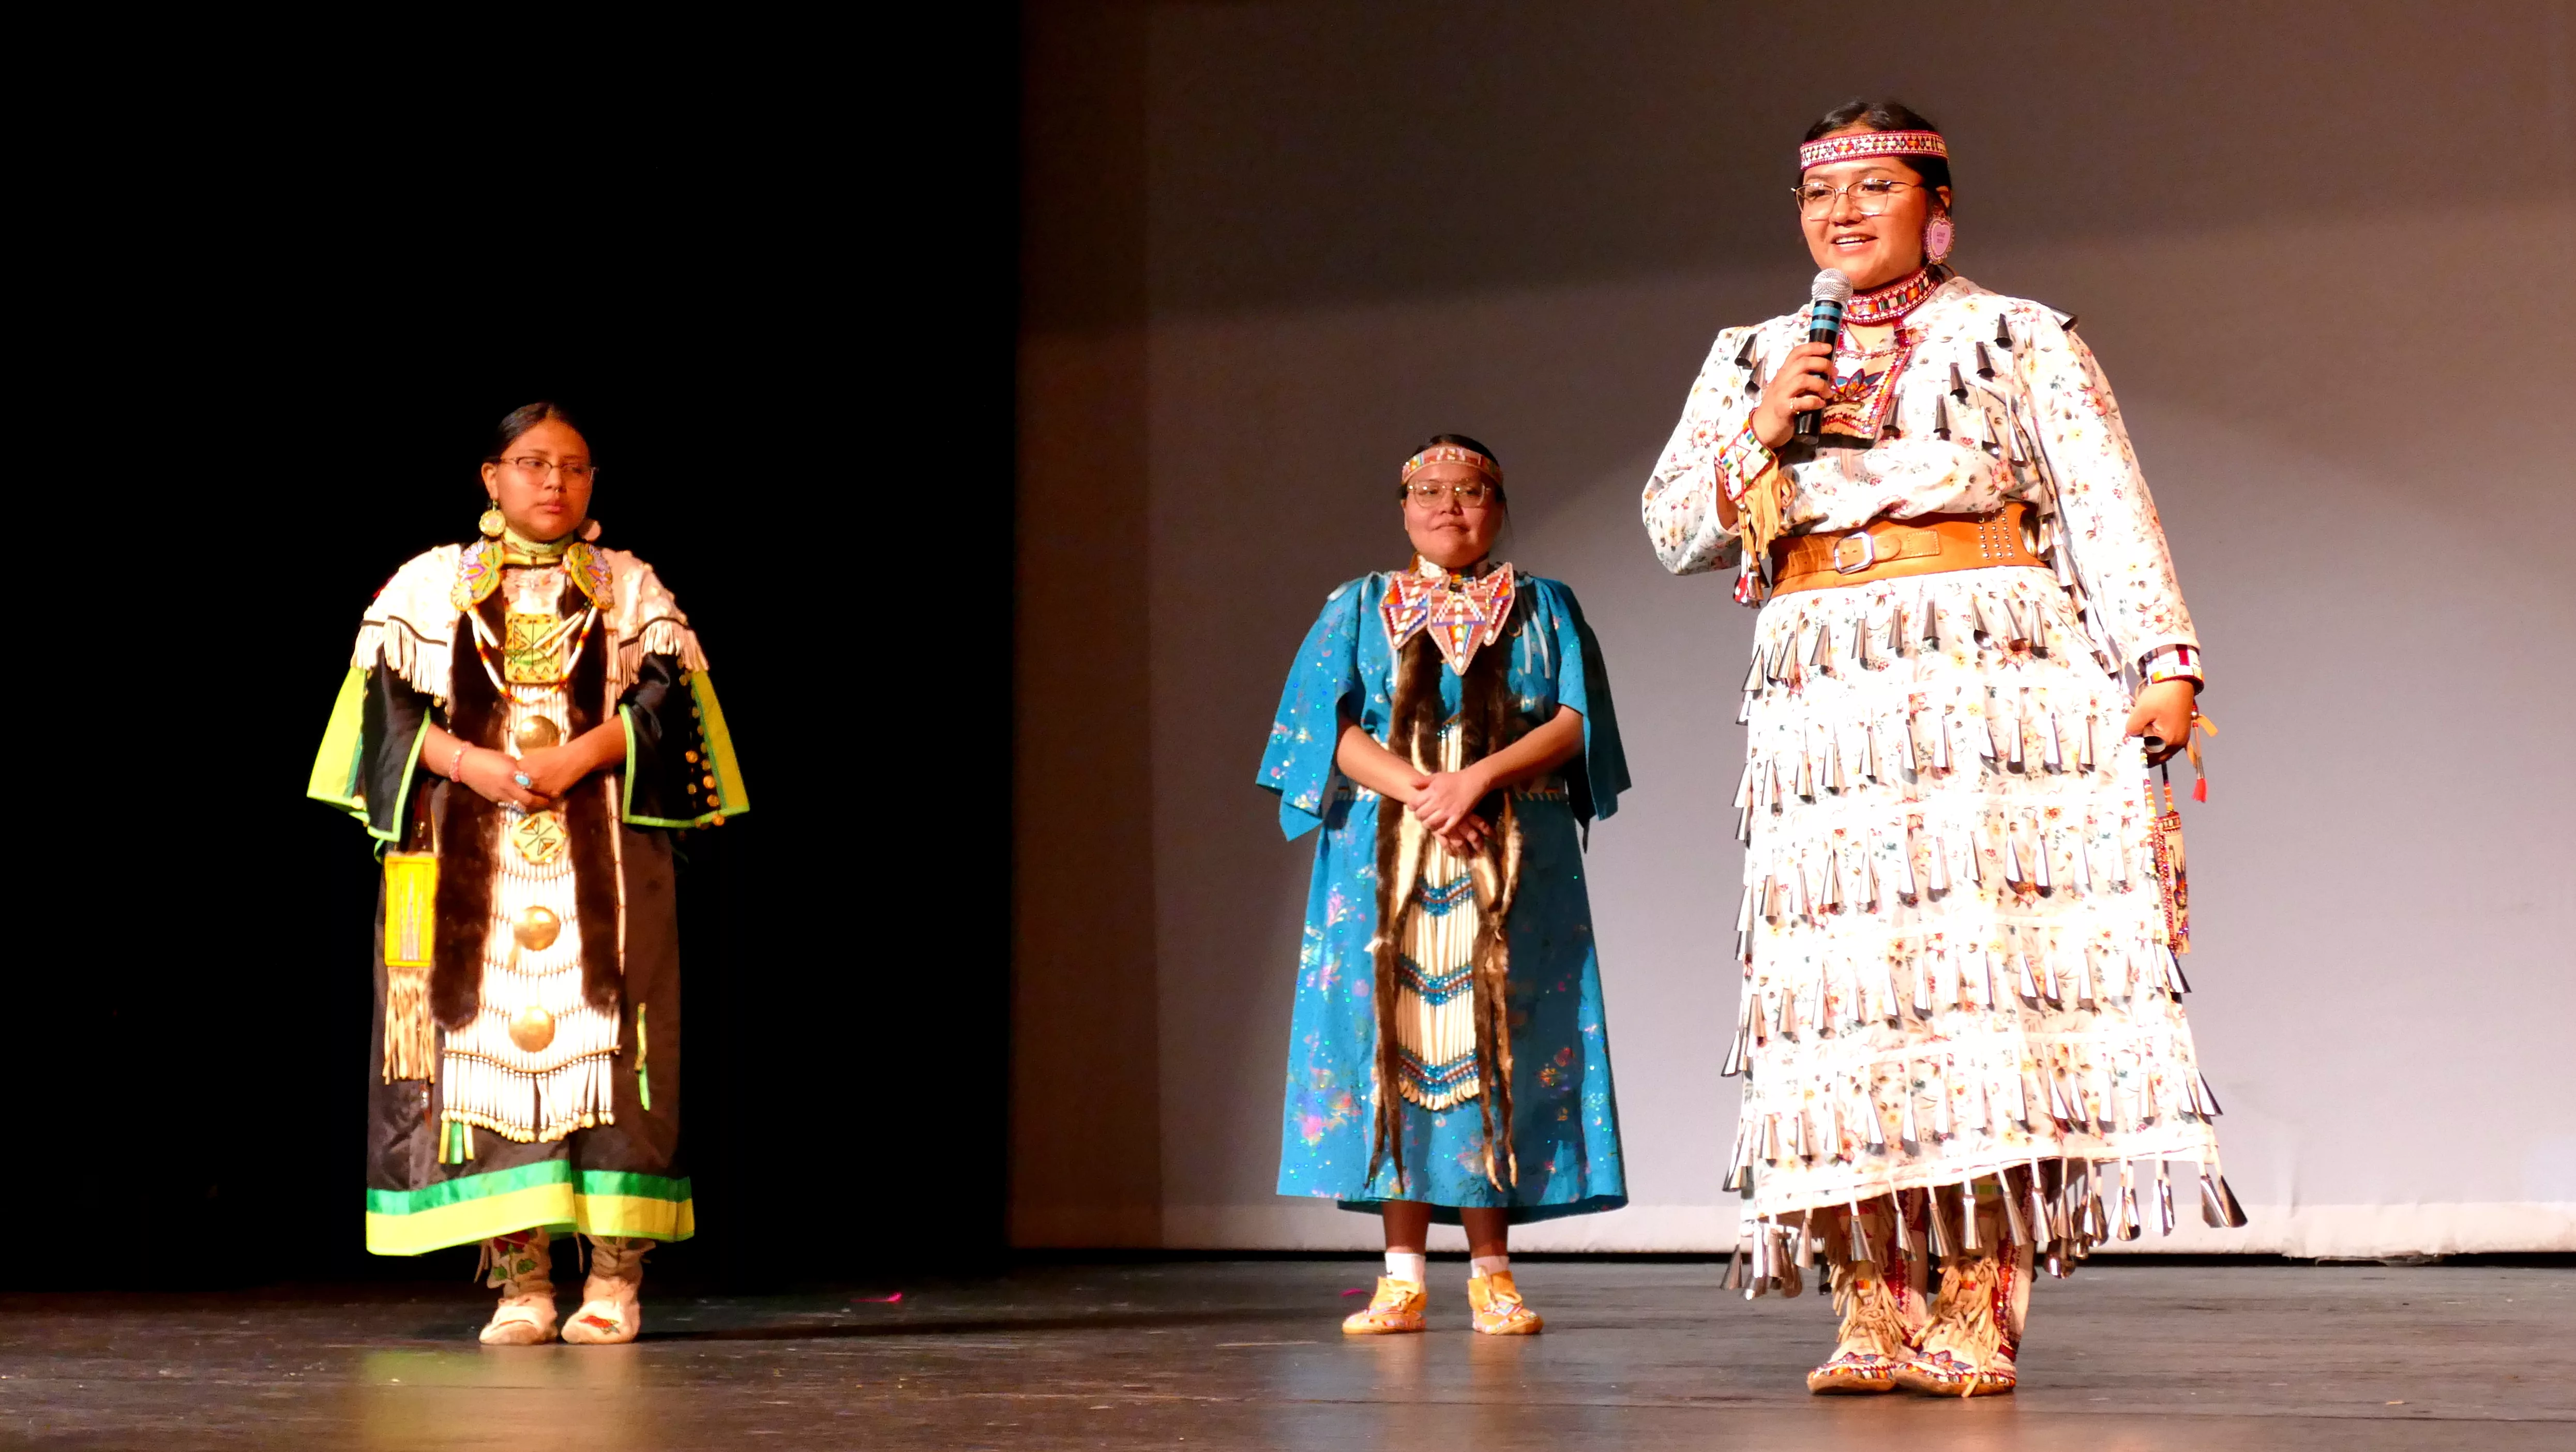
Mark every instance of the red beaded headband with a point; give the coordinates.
(1452, 454)
(1872, 143)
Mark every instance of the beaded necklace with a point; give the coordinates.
(1894, 301)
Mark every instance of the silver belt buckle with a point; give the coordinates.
(1868, 552)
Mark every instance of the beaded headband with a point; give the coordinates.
(1872, 143)
(1452, 454)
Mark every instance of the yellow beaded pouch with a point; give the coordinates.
(411, 918)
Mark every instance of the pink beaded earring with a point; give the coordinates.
(1938, 234)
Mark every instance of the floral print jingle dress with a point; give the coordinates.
(1955, 954)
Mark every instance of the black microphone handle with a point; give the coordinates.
(1825, 324)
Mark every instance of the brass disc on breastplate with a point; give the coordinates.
(532, 1028)
(537, 929)
(537, 733)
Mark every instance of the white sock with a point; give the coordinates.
(1489, 1265)
(1407, 1265)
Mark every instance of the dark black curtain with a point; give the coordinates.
(782, 300)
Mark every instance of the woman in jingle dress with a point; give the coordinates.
(1448, 1059)
(525, 720)
(1959, 987)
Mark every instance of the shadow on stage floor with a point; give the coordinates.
(1197, 1354)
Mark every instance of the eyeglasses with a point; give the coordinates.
(574, 473)
(1870, 195)
(1474, 494)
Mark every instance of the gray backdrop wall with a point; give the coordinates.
(2324, 252)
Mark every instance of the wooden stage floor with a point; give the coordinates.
(2128, 1357)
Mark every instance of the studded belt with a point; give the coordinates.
(1889, 549)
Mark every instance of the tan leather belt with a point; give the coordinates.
(1891, 549)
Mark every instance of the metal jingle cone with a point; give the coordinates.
(1958, 385)
(2227, 1198)
(1734, 1269)
(1912, 890)
(1922, 988)
(1744, 825)
(2182, 980)
(1833, 898)
(1834, 780)
(2029, 984)
(2086, 995)
(2084, 862)
(2049, 978)
(1941, 1109)
(2084, 747)
(1806, 1233)
(1969, 1241)
(2014, 873)
(1806, 777)
(1771, 1138)
(2164, 1199)
(1982, 616)
(2039, 1222)
(1907, 1135)
(1942, 1248)
(1749, 783)
(2014, 1225)
(1897, 637)
(2014, 730)
(1736, 1158)
(2213, 1211)
(1985, 363)
(1860, 642)
(1779, 796)
(1823, 658)
(2207, 1093)
(1905, 752)
(2055, 760)
(1753, 676)
(1869, 881)
(2039, 855)
(1940, 867)
(1904, 1232)
(1931, 626)
(1856, 1236)
(2130, 1227)
(1873, 1123)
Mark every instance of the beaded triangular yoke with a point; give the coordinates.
(1464, 612)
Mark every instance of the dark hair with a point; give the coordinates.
(1887, 116)
(525, 417)
(1464, 442)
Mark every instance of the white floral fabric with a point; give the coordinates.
(1955, 956)
(1996, 401)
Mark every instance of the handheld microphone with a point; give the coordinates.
(1828, 293)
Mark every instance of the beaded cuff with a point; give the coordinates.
(2171, 663)
(1742, 461)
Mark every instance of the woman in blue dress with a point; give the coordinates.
(1448, 1059)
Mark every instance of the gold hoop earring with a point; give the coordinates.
(492, 522)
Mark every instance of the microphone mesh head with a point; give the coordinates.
(1830, 286)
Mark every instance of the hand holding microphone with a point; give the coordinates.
(1793, 401)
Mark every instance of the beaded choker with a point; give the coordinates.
(1889, 303)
